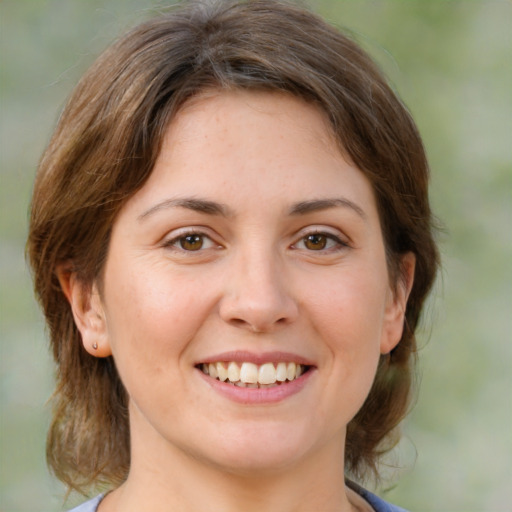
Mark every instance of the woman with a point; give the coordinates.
(232, 243)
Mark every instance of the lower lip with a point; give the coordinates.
(256, 396)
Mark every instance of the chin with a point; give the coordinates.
(259, 449)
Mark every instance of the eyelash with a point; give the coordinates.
(176, 243)
(180, 238)
(339, 244)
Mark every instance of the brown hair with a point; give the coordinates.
(104, 149)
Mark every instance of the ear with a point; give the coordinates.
(397, 303)
(88, 312)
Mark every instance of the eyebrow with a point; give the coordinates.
(213, 208)
(195, 204)
(316, 205)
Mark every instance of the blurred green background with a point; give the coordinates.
(451, 61)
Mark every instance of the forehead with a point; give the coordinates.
(246, 111)
(252, 145)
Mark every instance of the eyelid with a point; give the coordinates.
(333, 234)
(172, 238)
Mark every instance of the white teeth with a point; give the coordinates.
(212, 370)
(253, 376)
(249, 373)
(233, 372)
(222, 372)
(267, 374)
(290, 371)
(281, 372)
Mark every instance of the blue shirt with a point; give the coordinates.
(89, 506)
(378, 504)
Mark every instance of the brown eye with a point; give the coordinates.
(191, 242)
(315, 242)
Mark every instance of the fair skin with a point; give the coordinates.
(253, 241)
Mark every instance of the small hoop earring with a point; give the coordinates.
(95, 346)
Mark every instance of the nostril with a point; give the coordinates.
(258, 312)
(238, 322)
(256, 325)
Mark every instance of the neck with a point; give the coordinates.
(167, 478)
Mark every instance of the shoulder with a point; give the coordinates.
(378, 504)
(88, 506)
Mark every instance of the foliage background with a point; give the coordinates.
(451, 61)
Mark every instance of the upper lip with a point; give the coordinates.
(241, 356)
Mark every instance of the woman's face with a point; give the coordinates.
(253, 248)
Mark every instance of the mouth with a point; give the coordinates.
(250, 375)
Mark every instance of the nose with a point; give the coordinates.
(256, 296)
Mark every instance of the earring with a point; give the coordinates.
(95, 346)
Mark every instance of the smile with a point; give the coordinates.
(250, 375)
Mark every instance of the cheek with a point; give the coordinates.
(351, 309)
(151, 318)
(347, 313)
